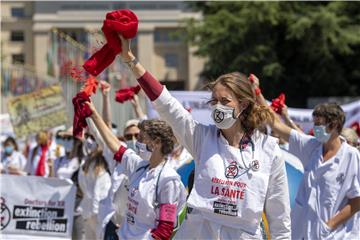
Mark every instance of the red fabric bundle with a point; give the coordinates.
(126, 94)
(81, 112)
(119, 21)
(278, 103)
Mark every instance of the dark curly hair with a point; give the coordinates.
(157, 129)
(332, 112)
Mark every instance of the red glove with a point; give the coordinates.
(167, 218)
(120, 21)
(126, 94)
(278, 103)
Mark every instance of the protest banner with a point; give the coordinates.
(40, 110)
(196, 102)
(36, 207)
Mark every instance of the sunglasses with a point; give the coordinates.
(131, 136)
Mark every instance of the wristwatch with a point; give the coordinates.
(131, 64)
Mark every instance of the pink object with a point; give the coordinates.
(150, 85)
(167, 212)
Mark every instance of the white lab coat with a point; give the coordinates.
(113, 207)
(229, 208)
(64, 168)
(16, 159)
(94, 188)
(184, 158)
(141, 214)
(325, 189)
(54, 151)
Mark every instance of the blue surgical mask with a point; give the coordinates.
(143, 151)
(131, 144)
(9, 150)
(320, 133)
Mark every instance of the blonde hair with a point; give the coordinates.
(255, 115)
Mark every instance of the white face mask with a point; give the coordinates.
(89, 146)
(321, 134)
(143, 151)
(223, 116)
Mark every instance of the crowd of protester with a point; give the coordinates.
(128, 187)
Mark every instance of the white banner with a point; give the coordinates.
(196, 102)
(36, 207)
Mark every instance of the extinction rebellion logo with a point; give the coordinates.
(5, 214)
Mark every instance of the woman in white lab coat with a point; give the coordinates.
(328, 200)
(156, 195)
(12, 160)
(238, 170)
(95, 182)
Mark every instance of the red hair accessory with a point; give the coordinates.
(278, 103)
(356, 127)
(126, 94)
(119, 21)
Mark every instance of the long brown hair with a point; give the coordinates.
(99, 162)
(255, 115)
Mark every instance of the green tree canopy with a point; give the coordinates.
(301, 48)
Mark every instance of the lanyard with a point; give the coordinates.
(232, 171)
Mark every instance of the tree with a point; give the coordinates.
(301, 48)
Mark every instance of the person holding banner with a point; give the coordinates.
(328, 200)
(156, 195)
(238, 170)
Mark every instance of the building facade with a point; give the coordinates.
(26, 27)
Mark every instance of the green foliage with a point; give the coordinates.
(301, 48)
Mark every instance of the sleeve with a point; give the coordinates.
(354, 190)
(101, 189)
(129, 160)
(23, 162)
(180, 120)
(170, 192)
(277, 203)
(302, 145)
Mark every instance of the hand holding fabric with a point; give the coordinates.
(81, 112)
(278, 103)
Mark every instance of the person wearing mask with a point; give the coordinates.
(238, 170)
(131, 133)
(12, 160)
(156, 195)
(65, 166)
(328, 200)
(95, 182)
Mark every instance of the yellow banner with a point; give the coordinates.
(39, 110)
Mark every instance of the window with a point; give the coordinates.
(171, 60)
(17, 36)
(166, 35)
(17, 12)
(18, 58)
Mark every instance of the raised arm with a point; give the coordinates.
(278, 126)
(288, 120)
(137, 108)
(110, 139)
(105, 91)
(167, 106)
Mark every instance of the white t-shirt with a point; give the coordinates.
(141, 215)
(236, 203)
(16, 159)
(325, 189)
